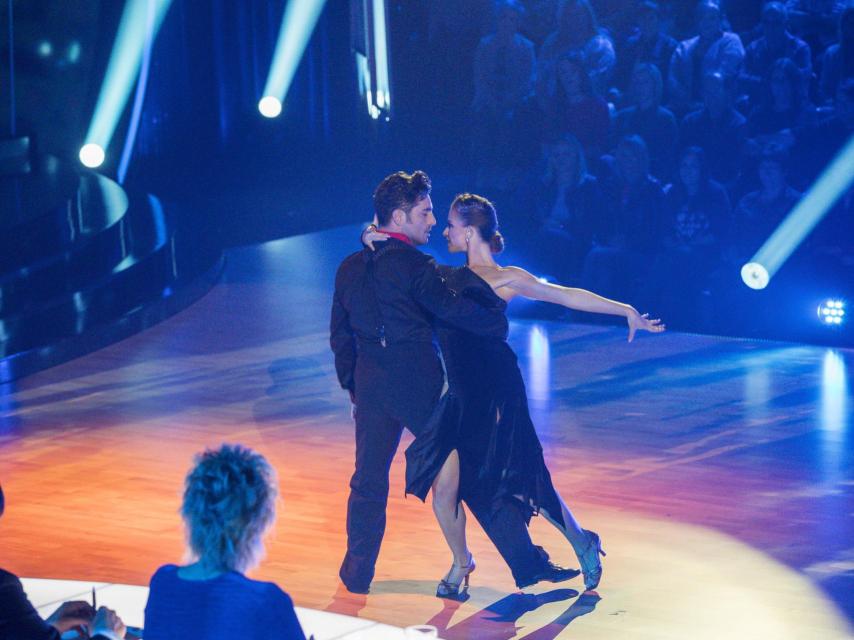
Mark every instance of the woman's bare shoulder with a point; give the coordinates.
(502, 277)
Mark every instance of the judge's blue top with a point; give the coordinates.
(225, 607)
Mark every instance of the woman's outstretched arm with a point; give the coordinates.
(526, 285)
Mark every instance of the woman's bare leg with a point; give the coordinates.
(586, 544)
(570, 529)
(450, 514)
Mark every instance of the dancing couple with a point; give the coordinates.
(476, 443)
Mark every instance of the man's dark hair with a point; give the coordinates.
(400, 190)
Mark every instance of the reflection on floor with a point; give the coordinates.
(718, 471)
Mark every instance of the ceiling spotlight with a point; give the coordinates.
(755, 275)
(270, 106)
(92, 155)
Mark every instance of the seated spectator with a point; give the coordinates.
(578, 32)
(816, 144)
(761, 211)
(576, 110)
(816, 22)
(629, 235)
(229, 504)
(539, 20)
(775, 43)
(648, 119)
(712, 51)
(785, 104)
(743, 18)
(697, 218)
(503, 79)
(648, 43)
(838, 61)
(564, 204)
(718, 129)
(19, 620)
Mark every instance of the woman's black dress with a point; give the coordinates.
(484, 416)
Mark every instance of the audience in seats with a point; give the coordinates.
(578, 32)
(576, 109)
(503, 79)
(775, 43)
(760, 212)
(648, 119)
(712, 51)
(648, 44)
(718, 128)
(838, 61)
(697, 222)
(784, 105)
(565, 205)
(630, 232)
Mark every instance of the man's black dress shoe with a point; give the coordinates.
(550, 573)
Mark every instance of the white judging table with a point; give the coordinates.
(129, 602)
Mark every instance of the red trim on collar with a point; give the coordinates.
(398, 236)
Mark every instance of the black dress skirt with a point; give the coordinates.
(484, 416)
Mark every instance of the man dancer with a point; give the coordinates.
(385, 356)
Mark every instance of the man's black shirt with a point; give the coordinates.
(392, 295)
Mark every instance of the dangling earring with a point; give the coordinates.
(468, 238)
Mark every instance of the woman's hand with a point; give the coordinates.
(640, 322)
(370, 235)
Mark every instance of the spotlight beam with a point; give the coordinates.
(298, 23)
(381, 55)
(139, 97)
(125, 61)
(803, 218)
(372, 58)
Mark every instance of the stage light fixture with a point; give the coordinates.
(270, 106)
(372, 58)
(755, 275)
(298, 23)
(831, 312)
(92, 155)
(381, 54)
(44, 49)
(830, 186)
(140, 22)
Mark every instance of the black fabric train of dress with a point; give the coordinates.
(484, 416)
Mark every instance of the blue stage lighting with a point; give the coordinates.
(831, 312)
(92, 155)
(372, 58)
(381, 55)
(140, 22)
(755, 275)
(270, 106)
(44, 49)
(832, 183)
(297, 26)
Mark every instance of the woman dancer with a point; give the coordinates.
(482, 445)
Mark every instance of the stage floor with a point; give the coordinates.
(718, 471)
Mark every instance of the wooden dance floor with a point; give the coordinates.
(717, 471)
